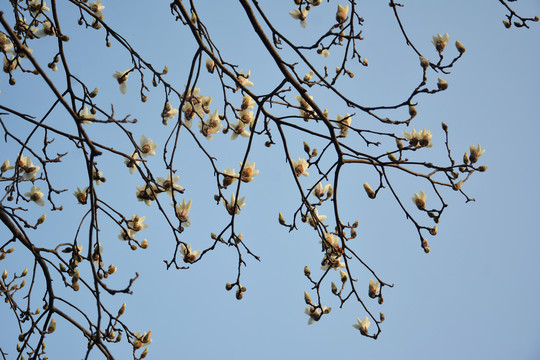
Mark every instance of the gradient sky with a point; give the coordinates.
(475, 295)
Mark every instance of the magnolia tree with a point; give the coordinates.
(78, 131)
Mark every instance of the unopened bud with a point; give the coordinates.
(343, 275)
(144, 244)
(399, 143)
(482, 168)
(52, 326)
(41, 219)
(122, 309)
(457, 186)
(442, 84)
(460, 47)
(381, 299)
(281, 219)
(444, 126)
(228, 286)
(165, 70)
(4, 275)
(25, 272)
(424, 63)
(112, 269)
(334, 288)
(210, 65)
(307, 298)
(412, 111)
(144, 353)
(306, 147)
(507, 24)
(94, 93)
(433, 231)
(369, 191)
(307, 272)
(392, 157)
(381, 316)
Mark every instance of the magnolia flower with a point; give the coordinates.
(308, 76)
(419, 199)
(168, 113)
(249, 171)
(126, 235)
(325, 53)
(190, 110)
(6, 166)
(121, 77)
(300, 15)
(144, 338)
(85, 116)
(315, 219)
(146, 194)
(374, 288)
(230, 206)
(319, 191)
(81, 195)
(36, 195)
(246, 116)
(132, 164)
(96, 7)
(10, 64)
(344, 122)
(300, 167)
(476, 152)
(331, 242)
(313, 313)
(230, 176)
(36, 7)
(212, 126)
(363, 325)
(332, 262)
(440, 41)
(47, 30)
(170, 186)
(98, 176)
(341, 14)
(247, 102)
(29, 169)
(306, 110)
(460, 47)
(421, 138)
(136, 223)
(424, 63)
(189, 255)
(181, 212)
(5, 43)
(239, 129)
(147, 146)
(244, 79)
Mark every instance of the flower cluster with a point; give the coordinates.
(421, 138)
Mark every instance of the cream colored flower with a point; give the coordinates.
(476, 152)
(121, 78)
(10, 64)
(146, 194)
(319, 191)
(212, 126)
(96, 7)
(308, 76)
(210, 65)
(36, 7)
(239, 129)
(144, 338)
(419, 199)
(5, 43)
(440, 41)
(374, 288)
(247, 102)
(313, 313)
(147, 146)
(36, 195)
(168, 185)
(29, 169)
(229, 177)
(230, 206)
(300, 167)
(81, 195)
(188, 255)
(300, 15)
(46, 30)
(421, 138)
(126, 235)
(363, 325)
(168, 113)
(344, 123)
(315, 219)
(85, 116)
(136, 223)
(243, 79)
(249, 171)
(132, 164)
(182, 211)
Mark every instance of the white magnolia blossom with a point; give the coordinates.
(247, 102)
(36, 195)
(168, 113)
(29, 169)
(300, 167)
(319, 191)
(440, 41)
(36, 7)
(121, 78)
(127, 234)
(182, 210)
(132, 164)
(249, 171)
(46, 30)
(81, 195)
(168, 185)
(419, 199)
(96, 7)
(229, 177)
(300, 15)
(147, 146)
(421, 138)
(188, 255)
(476, 152)
(146, 194)
(344, 122)
(374, 288)
(230, 205)
(85, 116)
(243, 79)
(136, 223)
(239, 129)
(315, 219)
(210, 127)
(363, 325)
(5, 43)
(341, 14)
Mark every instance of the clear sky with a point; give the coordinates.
(475, 296)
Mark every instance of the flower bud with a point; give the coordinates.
(4, 275)
(144, 353)
(228, 286)
(52, 326)
(334, 288)
(412, 111)
(442, 84)
(433, 231)
(281, 219)
(507, 24)
(392, 157)
(21, 337)
(444, 126)
(306, 147)
(25, 272)
(307, 298)
(122, 309)
(41, 219)
(308, 76)
(424, 63)
(165, 70)
(381, 316)
(210, 65)
(112, 269)
(460, 47)
(482, 168)
(369, 191)
(307, 272)
(457, 186)
(94, 93)
(144, 244)
(343, 275)
(5, 166)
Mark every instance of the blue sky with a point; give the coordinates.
(474, 296)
